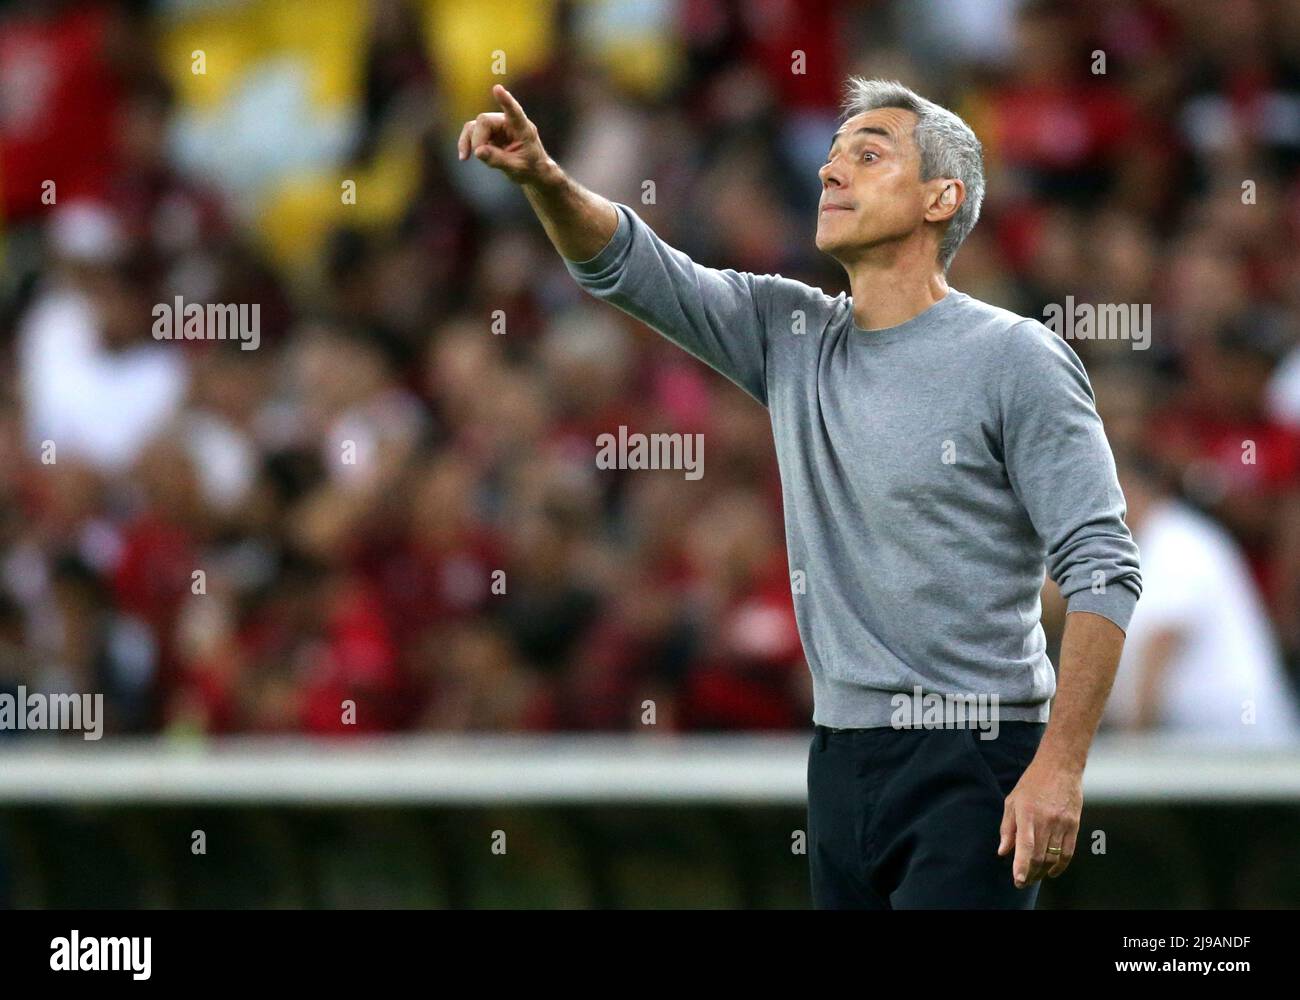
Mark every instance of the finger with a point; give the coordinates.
(485, 125)
(494, 157)
(1008, 829)
(1045, 836)
(1038, 862)
(1066, 856)
(462, 144)
(1022, 866)
(514, 113)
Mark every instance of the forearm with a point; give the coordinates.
(1090, 651)
(578, 222)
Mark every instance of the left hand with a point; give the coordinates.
(1042, 811)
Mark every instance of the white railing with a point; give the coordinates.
(463, 770)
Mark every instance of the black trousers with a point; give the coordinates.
(910, 818)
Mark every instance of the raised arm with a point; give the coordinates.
(720, 316)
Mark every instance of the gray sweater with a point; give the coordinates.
(929, 471)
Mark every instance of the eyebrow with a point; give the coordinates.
(867, 129)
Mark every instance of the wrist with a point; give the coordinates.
(1062, 758)
(547, 177)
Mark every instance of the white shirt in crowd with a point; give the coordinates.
(1196, 581)
(97, 405)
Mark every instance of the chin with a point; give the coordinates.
(826, 243)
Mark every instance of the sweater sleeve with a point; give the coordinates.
(716, 315)
(1060, 466)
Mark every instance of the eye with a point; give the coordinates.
(867, 153)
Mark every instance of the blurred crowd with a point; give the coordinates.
(389, 517)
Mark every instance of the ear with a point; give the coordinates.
(945, 199)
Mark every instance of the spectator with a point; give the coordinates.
(1199, 658)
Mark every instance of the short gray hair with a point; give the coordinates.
(948, 147)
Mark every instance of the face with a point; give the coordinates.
(872, 192)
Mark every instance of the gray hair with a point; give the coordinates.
(948, 147)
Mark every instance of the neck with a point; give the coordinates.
(887, 292)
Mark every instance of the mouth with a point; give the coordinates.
(830, 207)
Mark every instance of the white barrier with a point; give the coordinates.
(466, 770)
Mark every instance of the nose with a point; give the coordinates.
(829, 174)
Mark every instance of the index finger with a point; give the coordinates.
(514, 113)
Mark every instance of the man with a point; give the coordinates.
(934, 451)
